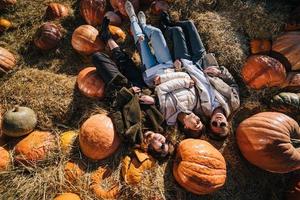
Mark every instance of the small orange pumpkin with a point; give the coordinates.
(34, 148)
(114, 18)
(90, 84)
(48, 36)
(199, 167)
(66, 140)
(293, 192)
(56, 11)
(97, 177)
(260, 46)
(6, 3)
(4, 25)
(98, 139)
(4, 159)
(73, 171)
(117, 33)
(157, 7)
(93, 11)
(261, 71)
(67, 196)
(119, 5)
(7, 60)
(266, 140)
(85, 40)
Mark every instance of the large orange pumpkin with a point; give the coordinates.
(119, 5)
(293, 192)
(90, 84)
(7, 60)
(261, 71)
(98, 139)
(67, 196)
(4, 159)
(56, 11)
(93, 11)
(288, 46)
(34, 148)
(260, 46)
(114, 18)
(85, 40)
(266, 140)
(199, 167)
(48, 36)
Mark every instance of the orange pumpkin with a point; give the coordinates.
(48, 36)
(261, 71)
(4, 25)
(199, 167)
(119, 5)
(67, 196)
(293, 192)
(114, 18)
(266, 140)
(7, 60)
(288, 46)
(117, 33)
(85, 40)
(4, 159)
(73, 172)
(93, 11)
(98, 139)
(260, 46)
(56, 11)
(34, 148)
(97, 177)
(90, 84)
(157, 7)
(293, 80)
(6, 3)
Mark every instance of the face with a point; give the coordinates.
(193, 122)
(158, 143)
(219, 124)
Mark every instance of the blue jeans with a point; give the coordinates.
(154, 35)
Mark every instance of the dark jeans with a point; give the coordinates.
(119, 72)
(186, 42)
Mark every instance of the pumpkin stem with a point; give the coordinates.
(16, 108)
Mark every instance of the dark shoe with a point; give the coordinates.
(104, 32)
(165, 19)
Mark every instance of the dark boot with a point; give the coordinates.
(165, 20)
(104, 31)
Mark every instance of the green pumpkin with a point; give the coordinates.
(19, 121)
(286, 102)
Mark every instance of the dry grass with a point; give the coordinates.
(45, 81)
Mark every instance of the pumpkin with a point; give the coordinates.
(97, 177)
(260, 46)
(4, 25)
(114, 18)
(56, 11)
(85, 40)
(6, 3)
(7, 60)
(34, 148)
(48, 36)
(288, 46)
(199, 167)
(292, 81)
(293, 192)
(93, 11)
(266, 140)
(67, 196)
(286, 102)
(117, 33)
(261, 71)
(133, 166)
(98, 139)
(157, 7)
(19, 121)
(66, 141)
(119, 5)
(90, 84)
(4, 159)
(73, 172)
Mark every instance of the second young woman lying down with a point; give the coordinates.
(209, 92)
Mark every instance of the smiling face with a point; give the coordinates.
(192, 122)
(219, 124)
(158, 143)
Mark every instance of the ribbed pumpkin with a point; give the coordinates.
(114, 18)
(286, 102)
(34, 148)
(6, 3)
(260, 46)
(117, 33)
(67, 196)
(19, 121)
(85, 40)
(157, 7)
(73, 172)
(4, 159)
(293, 192)
(261, 71)
(4, 25)
(266, 140)
(7, 60)
(98, 139)
(119, 5)
(90, 84)
(288, 46)
(56, 11)
(97, 177)
(199, 167)
(66, 141)
(48, 36)
(93, 11)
